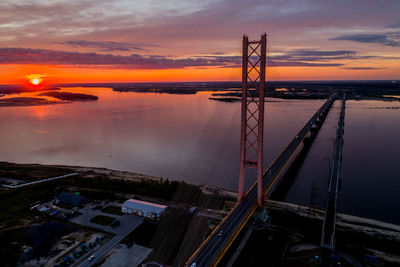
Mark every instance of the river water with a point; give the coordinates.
(370, 175)
(192, 138)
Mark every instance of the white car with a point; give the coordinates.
(91, 257)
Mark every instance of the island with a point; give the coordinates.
(24, 101)
(70, 96)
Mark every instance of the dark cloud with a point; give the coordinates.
(362, 68)
(214, 53)
(310, 55)
(388, 39)
(294, 58)
(393, 25)
(280, 63)
(45, 56)
(104, 46)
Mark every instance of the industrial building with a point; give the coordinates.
(143, 208)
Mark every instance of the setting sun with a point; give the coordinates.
(35, 81)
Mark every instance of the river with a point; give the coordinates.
(194, 139)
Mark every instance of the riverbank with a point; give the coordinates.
(97, 183)
(356, 237)
(293, 237)
(19, 205)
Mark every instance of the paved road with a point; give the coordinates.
(88, 213)
(103, 250)
(128, 223)
(132, 256)
(211, 251)
(40, 181)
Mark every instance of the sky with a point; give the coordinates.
(67, 41)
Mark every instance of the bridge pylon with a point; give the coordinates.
(252, 119)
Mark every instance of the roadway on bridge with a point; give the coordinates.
(328, 229)
(215, 246)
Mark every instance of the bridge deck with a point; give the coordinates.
(216, 245)
(328, 230)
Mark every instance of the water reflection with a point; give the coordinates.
(191, 138)
(185, 137)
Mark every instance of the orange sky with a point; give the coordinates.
(20, 74)
(154, 41)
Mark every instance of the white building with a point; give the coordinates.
(143, 208)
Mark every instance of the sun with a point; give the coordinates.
(35, 81)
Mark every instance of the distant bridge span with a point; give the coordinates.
(218, 242)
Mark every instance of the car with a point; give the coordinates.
(55, 212)
(76, 254)
(91, 257)
(84, 247)
(220, 233)
(68, 260)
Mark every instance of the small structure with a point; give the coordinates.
(43, 209)
(71, 199)
(143, 208)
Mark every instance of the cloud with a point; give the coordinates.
(387, 39)
(273, 63)
(316, 55)
(393, 25)
(362, 68)
(293, 58)
(214, 53)
(104, 46)
(55, 57)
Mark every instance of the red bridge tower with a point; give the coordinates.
(252, 121)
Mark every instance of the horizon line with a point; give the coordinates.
(238, 81)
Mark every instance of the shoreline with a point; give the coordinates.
(100, 182)
(228, 92)
(92, 172)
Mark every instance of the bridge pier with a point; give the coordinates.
(261, 216)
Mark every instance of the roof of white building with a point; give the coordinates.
(143, 205)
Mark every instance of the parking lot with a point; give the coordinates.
(127, 223)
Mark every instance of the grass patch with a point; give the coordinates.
(15, 203)
(112, 210)
(30, 172)
(103, 220)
